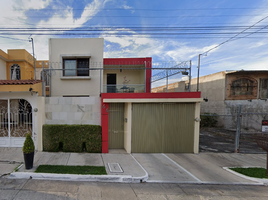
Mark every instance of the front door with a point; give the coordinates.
(116, 125)
(111, 83)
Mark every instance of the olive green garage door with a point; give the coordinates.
(162, 128)
(116, 125)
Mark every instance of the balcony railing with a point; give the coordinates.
(129, 88)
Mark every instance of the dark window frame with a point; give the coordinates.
(18, 72)
(77, 66)
(242, 87)
(263, 89)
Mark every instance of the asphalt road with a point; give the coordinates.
(40, 189)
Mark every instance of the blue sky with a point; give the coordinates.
(209, 23)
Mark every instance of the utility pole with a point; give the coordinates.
(33, 58)
(198, 69)
(190, 74)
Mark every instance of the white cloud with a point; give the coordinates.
(30, 4)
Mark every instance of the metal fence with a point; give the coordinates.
(233, 132)
(160, 72)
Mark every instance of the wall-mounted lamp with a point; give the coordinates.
(30, 89)
(184, 73)
(205, 99)
(35, 109)
(197, 119)
(126, 120)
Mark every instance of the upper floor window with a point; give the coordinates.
(263, 93)
(242, 86)
(76, 67)
(15, 72)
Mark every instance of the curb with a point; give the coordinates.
(258, 180)
(73, 177)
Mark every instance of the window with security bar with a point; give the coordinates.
(242, 86)
(76, 67)
(263, 92)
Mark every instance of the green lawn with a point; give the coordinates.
(252, 172)
(65, 169)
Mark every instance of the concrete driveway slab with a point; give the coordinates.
(208, 168)
(48, 158)
(82, 159)
(11, 154)
(126, 162)
(161, 169)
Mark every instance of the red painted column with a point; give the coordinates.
(105, 126)
(148, 75)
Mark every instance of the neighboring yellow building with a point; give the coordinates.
(22, 102)
(18, 64)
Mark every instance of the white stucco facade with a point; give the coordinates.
(60, 49)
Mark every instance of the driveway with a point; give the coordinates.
(198, 168)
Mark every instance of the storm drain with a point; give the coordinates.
(115, 168)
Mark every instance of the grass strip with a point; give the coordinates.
(66, 169)
(255, 172)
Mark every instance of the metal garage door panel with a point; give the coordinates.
(116, 126)
(178, 128)
(162, 128)
(146, 128)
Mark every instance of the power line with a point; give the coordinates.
(230, 39)
(13, 38)
(147, 9)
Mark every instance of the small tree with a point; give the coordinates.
(28, 146)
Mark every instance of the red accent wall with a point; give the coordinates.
(150, 95)
(105, 126)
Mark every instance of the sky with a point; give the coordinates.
(230, 34)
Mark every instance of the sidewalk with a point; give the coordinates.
(203, 168)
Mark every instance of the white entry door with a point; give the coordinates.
(16, 121)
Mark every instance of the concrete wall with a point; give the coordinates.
(40, 121)
(75, 86)
(73, 110)
(3, 72)
(212, 87)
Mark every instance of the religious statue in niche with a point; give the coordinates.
(125, 82)
(125, 88)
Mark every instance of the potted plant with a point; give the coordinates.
(28, 151)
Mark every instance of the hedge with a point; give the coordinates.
(209, 120)
(72, 138)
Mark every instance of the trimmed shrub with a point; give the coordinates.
(28, 146)
(208, 120)
(72, 138)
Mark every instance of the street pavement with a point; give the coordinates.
(202, 168)
(24, 189)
